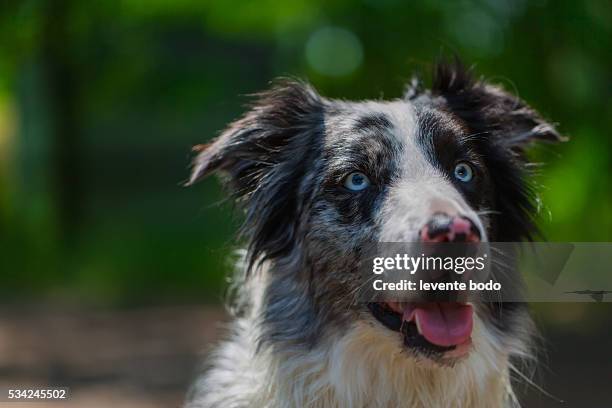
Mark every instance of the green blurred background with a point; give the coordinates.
(100, 102)
(111, 273)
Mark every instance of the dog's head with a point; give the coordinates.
(319, 179)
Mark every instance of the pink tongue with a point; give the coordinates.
(443, 324)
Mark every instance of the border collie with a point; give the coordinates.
(318, 179)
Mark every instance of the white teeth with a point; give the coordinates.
(418, 324)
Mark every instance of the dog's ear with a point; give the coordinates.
(263, 157)
(263, 137)
(488, 109)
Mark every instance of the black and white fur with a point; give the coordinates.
(300, 338)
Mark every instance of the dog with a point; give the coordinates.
(318, 179)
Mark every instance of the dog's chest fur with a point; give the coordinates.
(352, 370)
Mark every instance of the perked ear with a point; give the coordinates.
(263, 158)
(263, 136)
(489, 109)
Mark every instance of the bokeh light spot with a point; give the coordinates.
(334, 51)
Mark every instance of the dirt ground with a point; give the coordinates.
(146, 358)
(142, 358)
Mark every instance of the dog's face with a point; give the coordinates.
(321, 179)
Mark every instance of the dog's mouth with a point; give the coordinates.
(435, 330)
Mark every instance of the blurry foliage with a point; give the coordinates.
(100, 102)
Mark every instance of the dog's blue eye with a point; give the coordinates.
(464, 172)
(356, 181)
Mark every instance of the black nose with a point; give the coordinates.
(442, 227)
